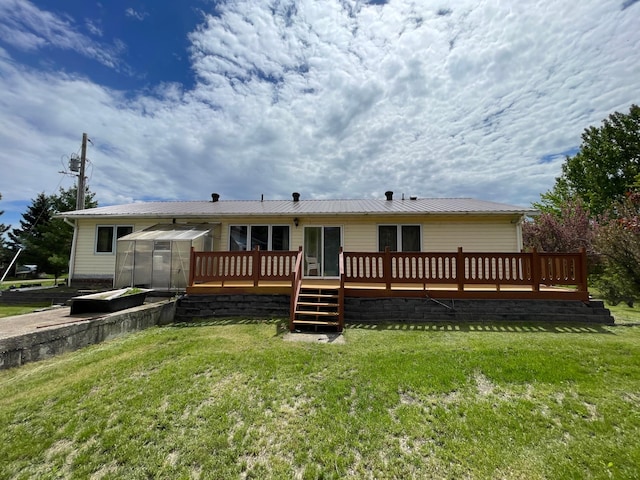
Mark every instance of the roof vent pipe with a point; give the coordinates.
(215, 197)
(296, 196)
(389, 194)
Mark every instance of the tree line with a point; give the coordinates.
(595, 204)
(45, 241)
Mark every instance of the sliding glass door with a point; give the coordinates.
(321, 251)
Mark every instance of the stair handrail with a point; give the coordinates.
(296, 285)
(341, 290)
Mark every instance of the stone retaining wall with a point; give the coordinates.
(401, 310)
(37, 295)
(46, 343)
(193, 307)
(408, 310)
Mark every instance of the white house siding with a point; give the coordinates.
(490, 233)
(91, 265)
(479, 235)
(439, 234)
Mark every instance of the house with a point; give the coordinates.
(105, 235)
(321, 261)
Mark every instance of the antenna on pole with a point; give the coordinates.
(81, 176)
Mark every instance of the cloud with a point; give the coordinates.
(131, 13)
(93, 28)
(26, 27)
(336, 100)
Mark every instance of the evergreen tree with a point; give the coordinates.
(5, 251)
(29, 236)
(45, 239)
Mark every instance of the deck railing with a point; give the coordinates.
(296, 287)
(461, 268)
(253, 266)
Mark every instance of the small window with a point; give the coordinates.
(260, 237)
(411, 238)
(407, 237)
(238, 237)
(280, 237)
(106, 236)
(104, 240)
(388, 237)
(123, 230)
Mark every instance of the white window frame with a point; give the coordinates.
(269, 234)
(114, 240)
(398, 234)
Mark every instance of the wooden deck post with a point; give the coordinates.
(582, 285)
(460, 270)
(386, 267)
(535, 270)
(255, 259)
(192, 264)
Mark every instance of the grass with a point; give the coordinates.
(233, 400)
(623, 313)
(10, 310)
(47, 281)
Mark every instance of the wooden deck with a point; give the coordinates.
(386, 274)
(354, 289)
(448, 275)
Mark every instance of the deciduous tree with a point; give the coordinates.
(619, 243)
(605, 167)
(565, 231)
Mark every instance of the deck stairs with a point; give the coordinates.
(317, 307)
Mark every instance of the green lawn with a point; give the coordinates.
(10, 310)
(234, 400)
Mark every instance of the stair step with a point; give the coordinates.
(313, 314)
(316, 322)
(318, 295)
(318, 304)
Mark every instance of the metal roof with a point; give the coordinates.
(171, 232)
(221, 208)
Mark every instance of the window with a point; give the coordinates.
(403, 238)
(267, 237)
(106, 236)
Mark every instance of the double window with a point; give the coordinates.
(267, 237)
(399, 238)
(107, 235)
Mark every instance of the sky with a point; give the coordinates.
(333, 99)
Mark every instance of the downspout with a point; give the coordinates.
(519, 239)
(72, 257)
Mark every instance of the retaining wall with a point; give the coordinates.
(193, 307)
(40, 295)
(401, 310)
(416, 310)
(46, 343)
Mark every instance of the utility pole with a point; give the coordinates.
(81, 177)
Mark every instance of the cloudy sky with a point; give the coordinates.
(332, 98)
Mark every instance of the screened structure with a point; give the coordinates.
(158, 257)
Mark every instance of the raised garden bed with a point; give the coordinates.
(111, 301)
